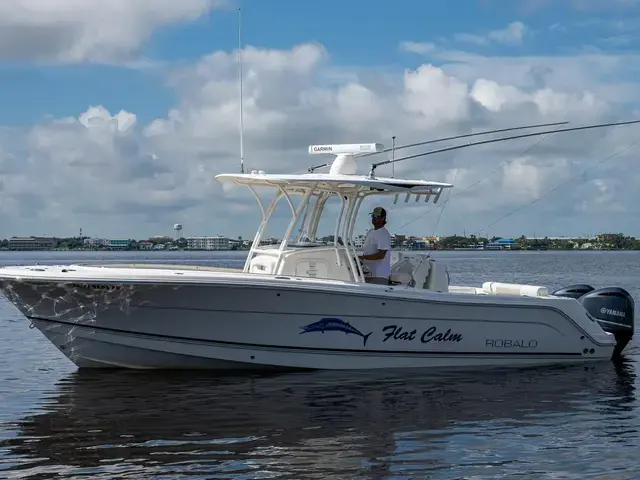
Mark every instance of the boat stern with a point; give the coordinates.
(612, 308)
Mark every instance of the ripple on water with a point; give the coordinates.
(542, 423)
(533, 421)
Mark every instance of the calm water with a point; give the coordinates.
(538, 423)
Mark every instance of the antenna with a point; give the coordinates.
(466, 135)
(495, 140)
(393, 156)
(240, 81)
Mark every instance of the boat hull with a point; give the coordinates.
(228, 322)
(91, 347)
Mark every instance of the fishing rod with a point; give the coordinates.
(495, 140)
(444, 139)
(466, 135)
(460, 192)
(557, 187)
(522, 207)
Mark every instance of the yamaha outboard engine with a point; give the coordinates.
(612, 307)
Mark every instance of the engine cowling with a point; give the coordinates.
(574, 291)
(612, 307)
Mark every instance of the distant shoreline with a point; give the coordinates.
(600, 242)
(120, 250)
(460, 250)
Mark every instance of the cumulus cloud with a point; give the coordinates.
(113, 176)
(72, 31)
(610, 77)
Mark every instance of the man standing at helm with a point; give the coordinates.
(377, 248)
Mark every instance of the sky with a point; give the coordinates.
(116, 116)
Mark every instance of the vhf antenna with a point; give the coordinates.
(393, 156)
(241, 99)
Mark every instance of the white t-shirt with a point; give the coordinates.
(378, 240)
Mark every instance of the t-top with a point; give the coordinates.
(375, 240)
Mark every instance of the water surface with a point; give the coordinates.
(539, 423)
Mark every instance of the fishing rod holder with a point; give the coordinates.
(313, 169)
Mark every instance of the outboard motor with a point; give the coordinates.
(612, 307)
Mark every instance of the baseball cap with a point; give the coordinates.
(379, 212)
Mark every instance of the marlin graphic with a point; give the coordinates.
(334, 325)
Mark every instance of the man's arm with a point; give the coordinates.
(379, 255)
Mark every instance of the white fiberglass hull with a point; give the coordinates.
(102, 317)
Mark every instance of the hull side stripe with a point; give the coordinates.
(308, 349)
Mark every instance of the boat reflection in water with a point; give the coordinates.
(570, 420)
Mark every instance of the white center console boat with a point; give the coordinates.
(306, 304)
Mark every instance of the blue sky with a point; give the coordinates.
(355, 32)
(151, 114)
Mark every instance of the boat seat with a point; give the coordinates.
(264, 264)
(401, 272)
(438, 278)
(431, 275)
